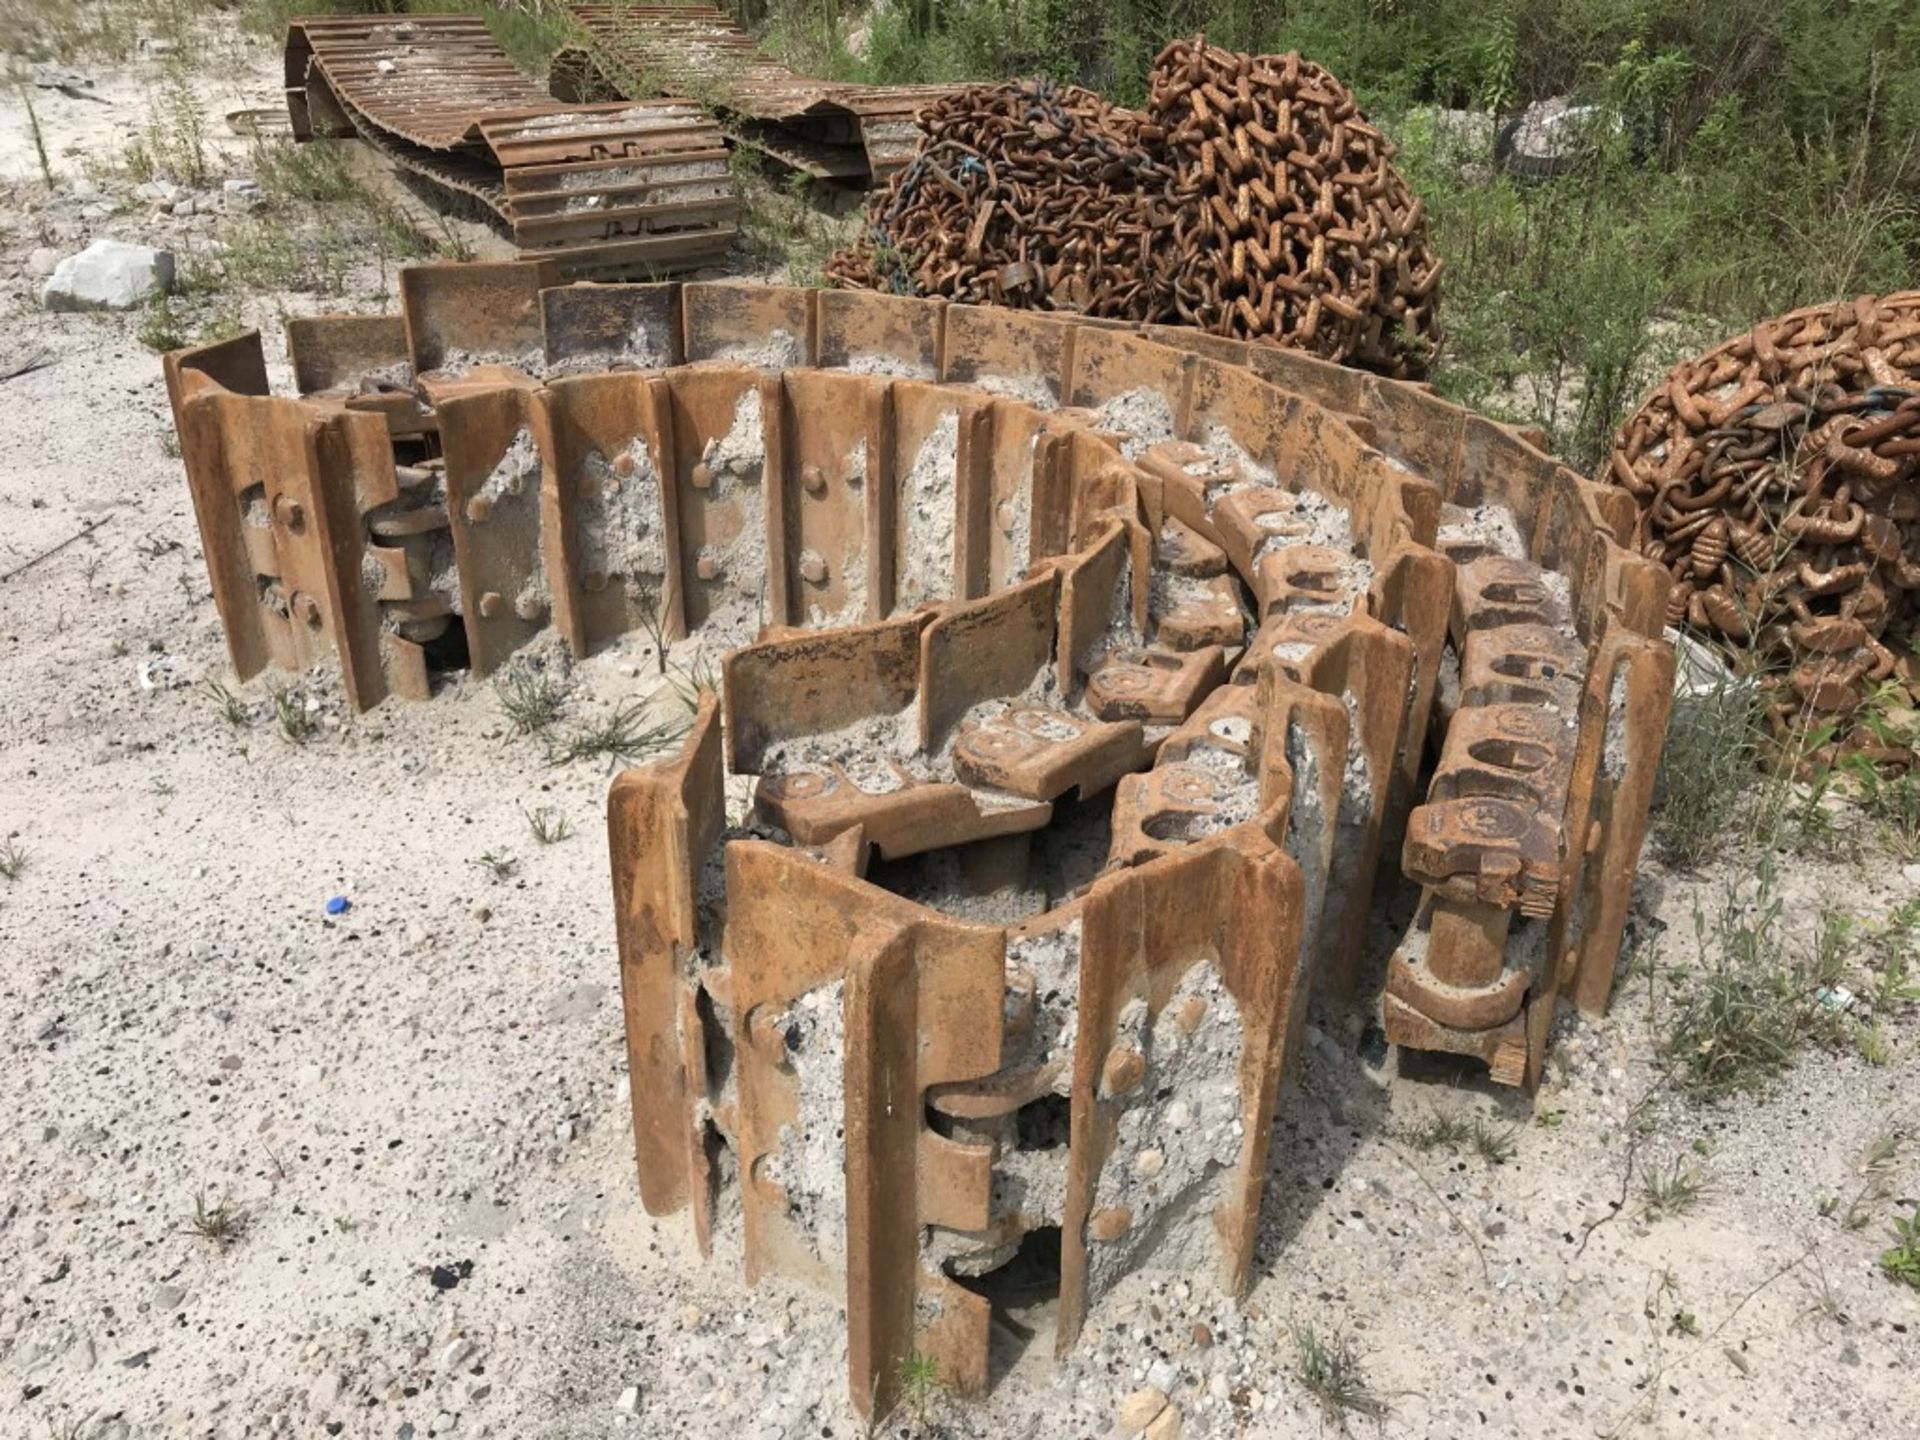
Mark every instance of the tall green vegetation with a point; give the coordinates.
(1765, 156)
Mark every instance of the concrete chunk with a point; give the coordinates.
(109, 275)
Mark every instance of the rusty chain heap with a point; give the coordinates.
(1250, 199)
(1776, 480)
(1030, 195)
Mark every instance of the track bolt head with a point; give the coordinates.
(1125, 1068)
(813, 569)
(479, 508)
(702, 476)
(492, 604)
(814, 479)
(1191, 1012)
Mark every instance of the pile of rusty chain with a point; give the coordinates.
(1029, 195)
(1251, 199)
(1297, 228)
(1778, 477)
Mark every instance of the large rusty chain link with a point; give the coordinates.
(1775, 475)
(1251, 199)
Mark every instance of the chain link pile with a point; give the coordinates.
(1030, 195)
(1776, 477)
(1298, 228)
(1250, 199)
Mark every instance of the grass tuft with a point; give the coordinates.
(689, 682)
(13, 860)
(1676, 1190)
(1444, 1130)
(1704, 773)
(549, 827)
(1331, 1370)
(1493, 1143)
(221, 1222)
(1441, 1130)
(291, 717)
(625, 735)
(499, 867)
(530, 699)
(1876, 1181)
(231, 707)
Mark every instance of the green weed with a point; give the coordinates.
(175, 139)
(291, 716)
(1675, 1190)
(1493, 1143)
(1745, 1012)
(1442, 1130)
(689, 682)
(920, 1387)
(228, 705)
(1705, 771)
(530, 699)
(160, 328)
(314, 172)
(498, 867)
(1901, 1261)
(1331, 1370)
(625, 734)
(220, 1222)
(1876, 1181)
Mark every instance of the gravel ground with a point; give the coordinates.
(415, 1113)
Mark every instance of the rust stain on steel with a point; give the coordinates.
(1774, 476)
(855, 133)
(1250, 199)
(608, 190)
(1044, 856)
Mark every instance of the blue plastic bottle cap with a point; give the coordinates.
(339, 905)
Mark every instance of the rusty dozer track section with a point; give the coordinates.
(1082, 678)
(858, 134)
(626, 190)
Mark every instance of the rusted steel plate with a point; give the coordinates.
(828, 130)
(628, 188)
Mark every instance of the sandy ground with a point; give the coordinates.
(419, 1107)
